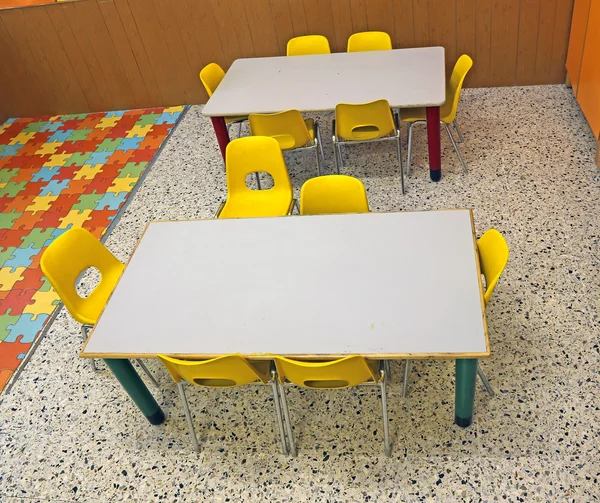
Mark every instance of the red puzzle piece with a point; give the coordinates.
(10, 351)
(100, 185)
(16, 301)
(142, 156)
(100, 218)
(64, 202)
(32, 279)
(10, 237)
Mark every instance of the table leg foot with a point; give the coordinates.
(466, 379)
(434, 143)
(136, 389)
(221, 132)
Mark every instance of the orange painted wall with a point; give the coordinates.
(588, 93)
(21, 3)
(581, 12)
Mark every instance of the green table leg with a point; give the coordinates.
(136, 389)
(466, 378)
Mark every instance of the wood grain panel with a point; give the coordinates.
(528, 42)
(505, 32)
(112, 54)
(544, 42)
(581, 12)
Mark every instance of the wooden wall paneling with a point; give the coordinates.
(88, 15)
(238, 23)
(358, 9)
(284, 28)
(403, 24)
(16, 82)
(342, 16)
(442, 29)
(528, 41)
(150, 32)
(421, 23)
(141, 97)
(560, 41)
(319, 18)
(231, 49)
(262, 28)
(480, 74)
(298, 18)
(172, 27)
(139, 52)
(505, 31)
(38, 70)
(380, 17)
(465, 32)
(544, 43)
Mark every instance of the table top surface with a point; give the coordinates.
(405, 77)
(398, 285)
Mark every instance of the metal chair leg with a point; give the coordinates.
(288, 423)
(277, 401)
(456, 149)
(337, 157)
(406, 375)
(321, 150)
(188, 415)
(409, 148)
(84, 336)
(240, 129)
(484, 380)
(258, 180)
(399, 144)
(147, 372)
(388, 369)
(384, 410)
(460, 136)
(318, 159)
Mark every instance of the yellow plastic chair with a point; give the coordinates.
(308, 44)
(223, 372)
(291, 131)
(447, 111)
(333, 194)
(211, 76)
(493, 257)
(369, 41)
(254, 154)
(343, 373)
(63, 262)
(363, 123)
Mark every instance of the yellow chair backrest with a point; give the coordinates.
(493, 256)
(333, 194)
(66, 258)
(222, 372)
(369, 41)
(462, 67)
(365, 121)
(288, 128)
(308, 44)
(342, 373)
(211, 76)
(252, 154)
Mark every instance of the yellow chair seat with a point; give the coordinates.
(257, 203)
(230, 120)
(419, 114)
(288, 142)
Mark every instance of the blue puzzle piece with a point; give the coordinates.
(22, 257)
(45, 174)
(115, 113)
(129, 144)
(111, 201)
(168, 118)
(54, 187)
(27, 327)
(99, 158)
(60, 135)
(51, 126)
(8, 150)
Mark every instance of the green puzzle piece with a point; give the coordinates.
(79, 134)
(38, 237)
(7, 220)
(147, 119)
(5, 321)
(33, 127)
(109, 145)
(6, 254)
(87, 202)
(7, 174)
(11, 189)
(132, 170)
(46, 287)
(78, 159)
(70, 117)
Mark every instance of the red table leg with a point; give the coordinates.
(222, 134)
(434, 143)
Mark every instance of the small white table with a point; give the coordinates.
(406, 78)
(371, 284)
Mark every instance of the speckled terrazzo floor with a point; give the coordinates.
(69, 434)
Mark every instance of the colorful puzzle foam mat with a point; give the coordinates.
(57, 173)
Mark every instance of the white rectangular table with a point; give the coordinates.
(406, 78)
(371, 284)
